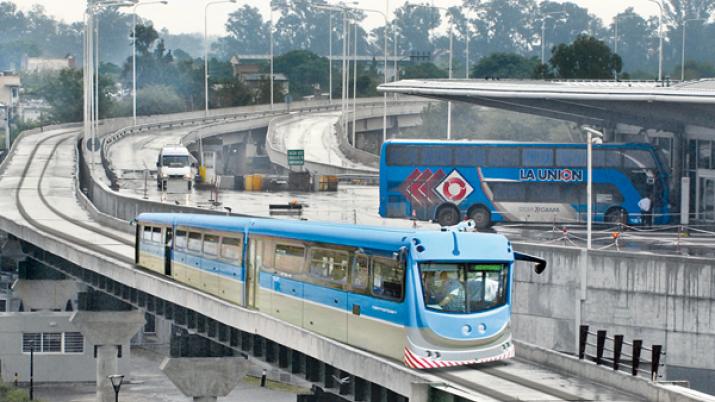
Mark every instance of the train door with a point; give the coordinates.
(705, 195)
(252, 274)
(168, 246)
(137, 240)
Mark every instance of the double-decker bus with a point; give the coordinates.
(490, 182)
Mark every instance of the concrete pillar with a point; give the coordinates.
(107, 330)
(205, 378)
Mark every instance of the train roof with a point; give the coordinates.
(436, 245)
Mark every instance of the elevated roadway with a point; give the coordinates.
(42, 211)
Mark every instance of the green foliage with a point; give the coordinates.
(63, 92)
(232, 92)
(585, 58)
(9, 393)
(303, 69)
(158, 99)
(695, 70)
(505, 65)
(423, 70)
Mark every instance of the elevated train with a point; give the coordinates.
(429, 298)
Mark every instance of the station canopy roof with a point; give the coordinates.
(648, 104)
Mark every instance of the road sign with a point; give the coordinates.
(93, 144)
(296, 157)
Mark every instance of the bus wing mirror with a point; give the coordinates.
(540, 263)
(401, 256)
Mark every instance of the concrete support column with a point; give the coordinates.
(205, 378)
(107, 364)
(107, 330)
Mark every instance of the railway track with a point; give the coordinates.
(506, 381)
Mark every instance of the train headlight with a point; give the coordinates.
(482, 328)
(466, 329)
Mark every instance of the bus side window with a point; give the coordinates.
(210, 245)
(231, 248)
(436, 156)
(470, 156)
(156, 235)
(180, 241)
(537, 157)
(402, 155)
(360, 274)
(146, 233)
(571, 157)
(194, 241)
(388, 278)
(506, 156)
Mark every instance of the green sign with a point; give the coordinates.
(295, 157)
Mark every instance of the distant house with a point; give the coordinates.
(40, 64)
(9, 89)
(250, 75)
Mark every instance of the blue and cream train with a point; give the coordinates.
(430, 298)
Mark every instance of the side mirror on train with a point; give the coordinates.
(401, 256)
(540, 263)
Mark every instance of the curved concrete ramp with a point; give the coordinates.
(316, 135)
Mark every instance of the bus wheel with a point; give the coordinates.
(617, 216)
(481, 216)
(448, 215)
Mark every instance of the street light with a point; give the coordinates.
(660, 38)
(270, 6)
(117, 380)
(682, 61)
(206, 55)
(451, 35)
(543, 31)
(134, 54)
(589, 183)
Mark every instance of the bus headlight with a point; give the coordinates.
(466, 329)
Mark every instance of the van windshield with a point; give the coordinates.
(175, 161)
(463, 287)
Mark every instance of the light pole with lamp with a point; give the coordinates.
(134, 54)
(206, 56)
(270, 34)
(660, 38)
(32, 370)
(543, 31)
(589, 183)
(451, 42)
(682, 60)
(117, 380)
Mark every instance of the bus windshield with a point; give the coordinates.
(463, 287)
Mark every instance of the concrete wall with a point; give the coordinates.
(665, 300)
(48, 367)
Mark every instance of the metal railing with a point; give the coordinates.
(620, 359)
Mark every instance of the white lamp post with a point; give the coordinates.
(660, 38)
(682, 60)
(206, 55)
(117, 380)
(589, 183)
(134, 54)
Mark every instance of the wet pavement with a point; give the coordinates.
(148, 384)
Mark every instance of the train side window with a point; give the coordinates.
(360, 275)
(194, 241)
(330, 265)
(210, 244)
(289, 258)
(146, 233)
(156, 235)
(180, 241)
(231, 248)
(387, 279)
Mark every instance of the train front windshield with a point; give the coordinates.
(463, 287)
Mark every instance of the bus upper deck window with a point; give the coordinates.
(470, 156)
(402, 155)
(506, 156)
(437, 156)
(537, 157)
(571, 157)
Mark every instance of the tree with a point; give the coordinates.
(695, 70)
(504, 26)
(637, 41)
(414, 25)
(63, 92)
(232, 92)
(159, 99)
(422, 70)
(303, 69)
(585, 58)
(505, 65)
(247, 33)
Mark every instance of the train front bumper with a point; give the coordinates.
(435, 357)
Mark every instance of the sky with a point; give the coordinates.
(186, 16)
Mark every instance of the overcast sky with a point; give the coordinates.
(187, 15)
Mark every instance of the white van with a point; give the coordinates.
(174, 163)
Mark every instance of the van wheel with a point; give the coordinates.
(448, 215)
(617, 216)
(481, 216)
